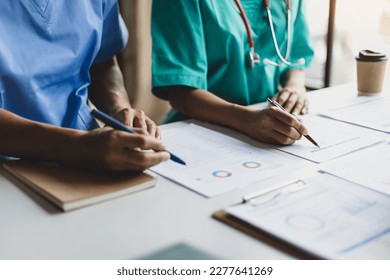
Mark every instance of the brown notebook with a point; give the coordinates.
(70, 188)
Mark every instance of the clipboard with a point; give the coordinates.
(353, 222)
(261, 235)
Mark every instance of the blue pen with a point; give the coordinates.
(120, 126)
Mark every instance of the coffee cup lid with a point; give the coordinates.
(368, 55)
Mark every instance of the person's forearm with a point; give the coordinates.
(270, 125)
(33, 140)
(294, 79)
(107, 90)
(203, 105)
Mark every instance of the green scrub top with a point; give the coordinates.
(204, 44)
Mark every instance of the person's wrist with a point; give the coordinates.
(70, 148)
(116, 101)
(241, 117)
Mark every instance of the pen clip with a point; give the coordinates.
(264, 196)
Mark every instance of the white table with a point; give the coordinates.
(135, 225)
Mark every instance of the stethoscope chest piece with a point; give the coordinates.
(254, 59)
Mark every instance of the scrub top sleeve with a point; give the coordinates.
(114, 35)
(301, 40)
(179, 55)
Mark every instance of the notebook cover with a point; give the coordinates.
(70, 188)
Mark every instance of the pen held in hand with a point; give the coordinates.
(110, 121)
(276, 104)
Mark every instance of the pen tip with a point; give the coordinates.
(177, 160)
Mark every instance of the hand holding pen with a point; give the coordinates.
(110, 121)
(306, 135)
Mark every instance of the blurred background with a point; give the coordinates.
(339, 28)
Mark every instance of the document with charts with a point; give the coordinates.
(218, 163)
(329, 217)
(335, 139)
(371, 112)
(370, 168)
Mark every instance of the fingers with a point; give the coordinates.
(141, 121)
(138, 121)
(138, 158)
(287, 99)
(301, 106)
(293, 102)
(124, 116)
(114, 150)
(152, 128)
(122, 151)
(288, 124)
(282, 139)
(158, 133)
(145, 142)
(141, 160)
(273, 125)
(286, 131)
(305, 107)
(140, 131)
(148, 126)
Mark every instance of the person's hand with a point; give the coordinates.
(138, 120)
(274, 126)
(293, 101)
(114, 150)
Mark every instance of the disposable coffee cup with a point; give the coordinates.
(371, 68)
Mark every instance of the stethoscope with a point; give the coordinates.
(255, 57)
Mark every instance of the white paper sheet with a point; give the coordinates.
(370, 112)
(217, 163)
(329, 217)
(370, 168)
(335, 139)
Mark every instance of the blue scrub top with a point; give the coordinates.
(204, 44)
(46, 50)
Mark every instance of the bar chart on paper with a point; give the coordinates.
(217, 163)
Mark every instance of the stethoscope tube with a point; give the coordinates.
(254, 57)
(284, 59)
